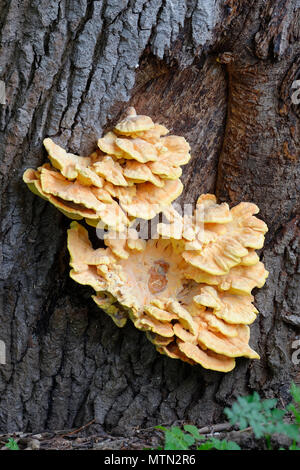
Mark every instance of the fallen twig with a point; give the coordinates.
(79, 429)
(215, 428)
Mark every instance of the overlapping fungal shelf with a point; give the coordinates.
(190, 289)
(134, 173)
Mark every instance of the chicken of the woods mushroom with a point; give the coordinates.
(189, 289)
(134, 173)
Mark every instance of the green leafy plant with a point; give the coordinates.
(260, 415)
(177, 439)
(217, 444)
(12, 444)
(264, 418)
(294, 408)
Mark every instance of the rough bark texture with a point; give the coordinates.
(219, 73)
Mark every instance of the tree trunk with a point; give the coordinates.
(218, 73)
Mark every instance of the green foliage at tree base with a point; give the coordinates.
(260, 415)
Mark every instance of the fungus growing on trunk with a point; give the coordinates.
(190, 288)
(134, 173)
(195, 308)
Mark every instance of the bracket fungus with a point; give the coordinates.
(190, 289)
(134, 173)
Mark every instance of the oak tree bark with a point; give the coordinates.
(220, 73)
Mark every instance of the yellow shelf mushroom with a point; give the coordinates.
(189, 289)
(195, 312)
(134, 173)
